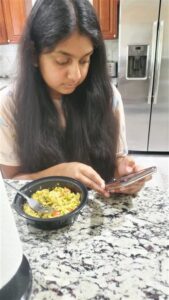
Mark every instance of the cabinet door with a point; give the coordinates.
(3, 33)
(107, 14)
(15, 15)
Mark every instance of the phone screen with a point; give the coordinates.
(130, 178)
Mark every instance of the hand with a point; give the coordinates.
(125, 166)
(82, 172)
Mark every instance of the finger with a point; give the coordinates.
(130, 161)
(147, 178)
(92, 179)
(126, 165)
(93, 176)
(133, 188)
(93, 185)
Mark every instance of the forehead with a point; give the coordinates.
(75, 45)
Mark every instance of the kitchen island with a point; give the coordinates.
(118, 248)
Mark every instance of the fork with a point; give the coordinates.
(34, 204)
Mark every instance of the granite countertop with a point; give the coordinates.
(117, 249)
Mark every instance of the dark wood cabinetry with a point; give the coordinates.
(3, 33)
(13, 15)
(12, 19)
(107, 11)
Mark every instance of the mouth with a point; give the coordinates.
(69, 86)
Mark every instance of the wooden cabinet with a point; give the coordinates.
(12, 19)
(13, 15)
(107, 11)
(3, 33)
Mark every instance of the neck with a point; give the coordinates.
(54, 94)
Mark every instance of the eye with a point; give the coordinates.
(62, 63)
(85, 61)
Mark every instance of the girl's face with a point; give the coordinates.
(67, 65)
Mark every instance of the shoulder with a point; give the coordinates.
(8, 152)
(7, 103)
(117, 99)
(7, 98)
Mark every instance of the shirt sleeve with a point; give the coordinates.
(8, 153)
(119, 111)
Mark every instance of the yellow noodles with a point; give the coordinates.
(60, 198)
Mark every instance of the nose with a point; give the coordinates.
(74, 73)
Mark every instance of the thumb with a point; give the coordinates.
(129, 165)
(129, 169)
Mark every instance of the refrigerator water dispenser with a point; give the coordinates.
(137, 61)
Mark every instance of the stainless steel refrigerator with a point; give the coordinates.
(143, 73)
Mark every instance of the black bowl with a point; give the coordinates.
(51, 182)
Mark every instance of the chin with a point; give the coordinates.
(68, 91)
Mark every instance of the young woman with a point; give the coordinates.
(62, 116)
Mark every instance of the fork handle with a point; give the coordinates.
(19, 192)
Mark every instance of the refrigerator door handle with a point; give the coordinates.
(158, 62)
(152, 61)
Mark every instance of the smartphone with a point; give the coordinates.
(130, 178)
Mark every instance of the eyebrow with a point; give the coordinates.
(68, 54)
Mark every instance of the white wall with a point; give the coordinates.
(112, 49)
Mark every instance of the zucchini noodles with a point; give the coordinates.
(62, 199)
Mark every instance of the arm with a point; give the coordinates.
(119, 111)
(125, 164)
(84, 173)
(9, 171)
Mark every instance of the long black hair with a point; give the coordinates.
(91, 131)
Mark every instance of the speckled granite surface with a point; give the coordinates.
(117, 249)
